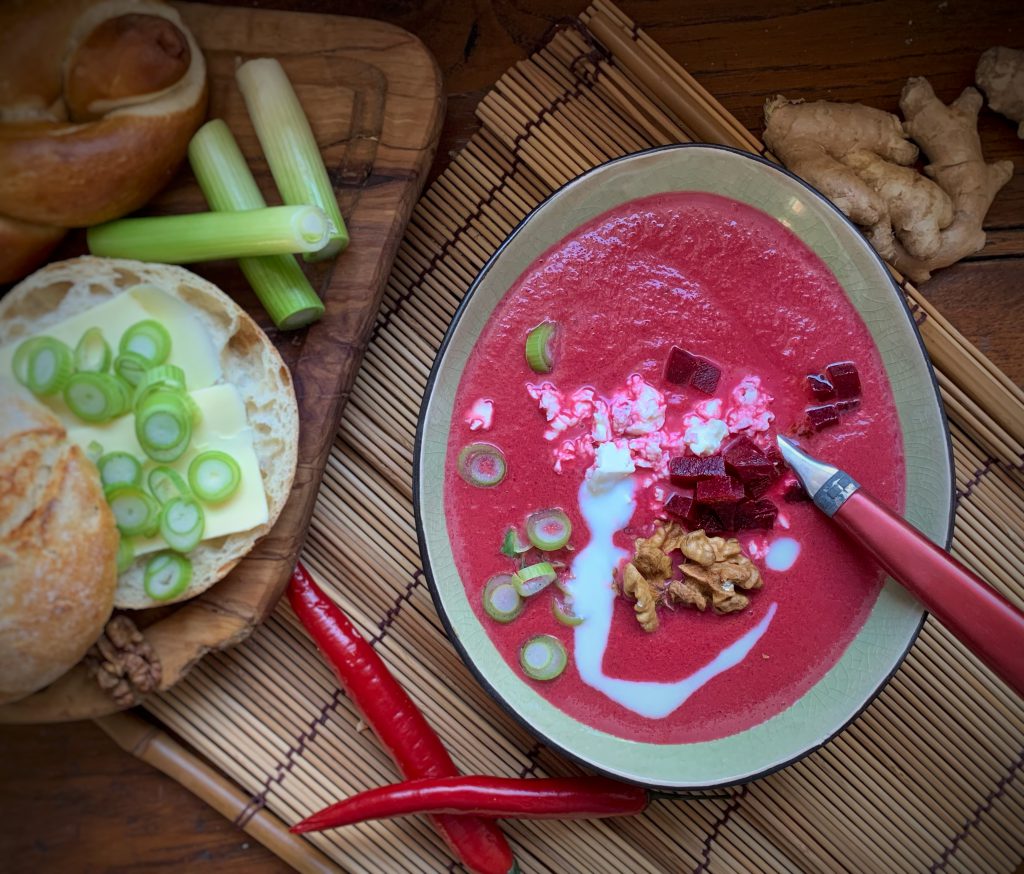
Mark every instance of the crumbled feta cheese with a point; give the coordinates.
(704, 437)
(480, 415)
(611, 463)
(750, 407)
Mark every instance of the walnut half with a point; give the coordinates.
(123, 663)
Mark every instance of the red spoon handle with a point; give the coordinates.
(984, 621)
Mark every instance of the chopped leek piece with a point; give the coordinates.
(131, 367)
(208, 236)
(92, 354)
(125, 555)
(149, 340)
(182, 522)
(134, 511)
(548, 530)
(163, 426)
(95, 397)
(119, 469)
(513, 544)
(481, 464)
(501, 600)
(167, 575)
(540, 352)
(229, 186)
(289, 145)
(166, 484)
(46, 365)
(530, 580)
(19, 363)
(543, 657)
(214, 476)
(564, 612)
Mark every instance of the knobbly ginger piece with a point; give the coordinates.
(1000, 75)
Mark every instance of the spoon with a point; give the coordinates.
(982, 619)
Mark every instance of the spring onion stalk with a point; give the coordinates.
(43, 365)
(95, 397)
(289, 145)
(531, 580)
(119, 469)
(540, 351)
(166, 484)
(208, 236)
(149, 340)
(501, 600)
(182, 523)
(214, 476)
(564, 612)
(229, 186)
(135, 512)
(92, 354)
(125, 555)
(548, 530)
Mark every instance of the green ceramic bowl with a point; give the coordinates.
(896, 618)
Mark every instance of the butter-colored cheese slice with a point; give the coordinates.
(223, 426)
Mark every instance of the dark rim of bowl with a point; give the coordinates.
(417, 447)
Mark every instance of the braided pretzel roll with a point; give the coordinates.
(98, 100)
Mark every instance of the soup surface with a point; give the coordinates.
(595, 437)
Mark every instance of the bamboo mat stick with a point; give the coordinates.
(155, 747)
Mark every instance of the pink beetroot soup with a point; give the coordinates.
(729, 283)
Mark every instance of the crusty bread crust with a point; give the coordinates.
(248, 360)
(58, 548)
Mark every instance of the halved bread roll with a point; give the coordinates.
(247, 358)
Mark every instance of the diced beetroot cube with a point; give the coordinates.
(773, 454)
(746, 461)
(680, 506)
(792, 491)
(685, 470)
(822, 417)
(705, 377)
(758, 486)
(680, 366)
(820, 389)
(756, 514)
(726, 514)
(848, 406)
(845, 378)
(707, 519)
(718, 490)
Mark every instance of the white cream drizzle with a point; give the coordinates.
(607, 504)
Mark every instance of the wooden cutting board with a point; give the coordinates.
(373, 96)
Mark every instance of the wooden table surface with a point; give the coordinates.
(72, 801)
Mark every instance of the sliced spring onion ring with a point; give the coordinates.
(182, 522)
(125, 555)
(163, 426)
(540, 347)
(95, 397)
(481, 464)
(94, 451)
(543, 657)
(92, 354)
(119, 469)
(165, 376)
(134, 511)
(548, 530)
(564, 612)
(166, 484)
(47, 366)
(501, 600)
(513, 545)
(19, 363)
(149, 340)
(167, 575)
(214, 476)
(532, 579)
(131, 367)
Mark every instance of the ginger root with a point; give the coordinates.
(861, 159)
(948, 136)
(1000, 74)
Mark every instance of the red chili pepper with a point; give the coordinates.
(396, 721)
(554, 798)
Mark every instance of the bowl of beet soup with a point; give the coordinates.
(612, 543)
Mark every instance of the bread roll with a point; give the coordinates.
(248, 360)
(98, 101)
(58, 548)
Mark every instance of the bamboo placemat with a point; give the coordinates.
(929, 777)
